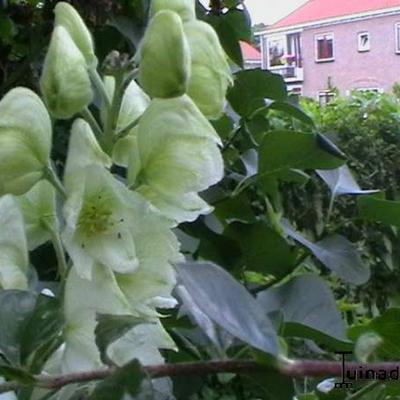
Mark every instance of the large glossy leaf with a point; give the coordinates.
(228, 304)
(337, 254)
(305, 300)
(263, 249)
(252, 87)
(281, 151)
(380, 210)
(16, 307)
(387, 326)
(340, 181)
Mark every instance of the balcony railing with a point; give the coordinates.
(290, 73)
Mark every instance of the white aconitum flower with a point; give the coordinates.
(104, 221)
(38, 207)
(65, 81)
(83, 150)
(185, 8)
(164, 57)
(178, 157)
(82, 300)
(210, 72)
(13, 246)
(25, 141)
(67, 17)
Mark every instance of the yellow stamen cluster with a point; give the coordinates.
(95, 217)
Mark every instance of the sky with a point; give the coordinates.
(270, 11)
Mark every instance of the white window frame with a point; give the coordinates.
(359, 45)
(396, 37)
(325, 93)
(318, 36)
(282, 37)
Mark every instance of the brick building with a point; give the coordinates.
(336, 44)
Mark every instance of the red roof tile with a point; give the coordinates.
(315, 10)
(249, 52)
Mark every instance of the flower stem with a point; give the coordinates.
(99, 85)
(59, 250)
(364, 390)
(52, 177)
(91, 120)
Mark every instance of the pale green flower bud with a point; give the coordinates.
(13, 247)
(38, 207)
(185, 8)
(68, 17)
(178, 157)
(65, 81)
(210, 71)
(25, 141)
(165, 57)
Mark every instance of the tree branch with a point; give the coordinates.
(294, 369)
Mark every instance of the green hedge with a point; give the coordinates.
(366, 127)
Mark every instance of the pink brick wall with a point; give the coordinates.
(380, 67)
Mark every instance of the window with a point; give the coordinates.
(397, 35)
(364, 43)
(324, 47)
(325, 97)
(276, 51)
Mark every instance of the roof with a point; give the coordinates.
(315, 10)
(249, 52)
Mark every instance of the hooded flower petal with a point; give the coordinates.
(83, 299)
(13, 247)
(185, 8)
(179, 156)
(65, 81)
(178, 207)
(38, 207)
(25, 141)
(83, 150)
(165, 57)
(126, 149)
(68, 17)
(210, 72)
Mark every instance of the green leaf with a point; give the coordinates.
(16, 374)
(110, 327)
(337, 254)
(387, 327)
(264, 250)
(290, 110)
(272, 385)
(240, 22)
(340, 182)
(223, 126)
(229, 42)
(228, 304)
(16, 307)
(235, 209)
(42, 332)
(126, 381)
(380, 210)
(284, 150)
(306, 301)
(252, 87)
